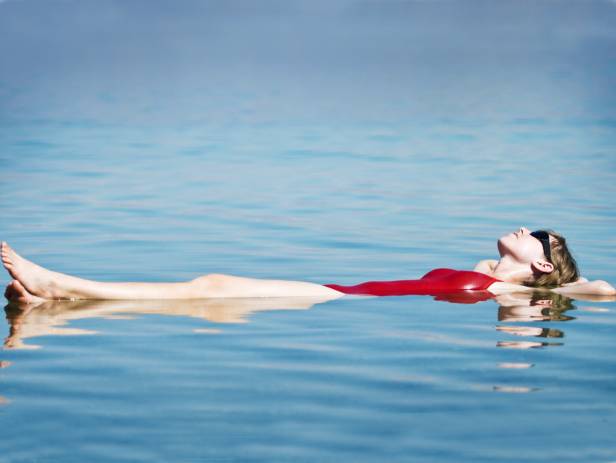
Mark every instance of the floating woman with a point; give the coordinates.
(527, 260)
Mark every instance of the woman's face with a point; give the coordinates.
(521, 246)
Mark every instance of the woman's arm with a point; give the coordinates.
(579, 288)
(583, 286)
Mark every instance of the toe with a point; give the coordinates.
(6, 249)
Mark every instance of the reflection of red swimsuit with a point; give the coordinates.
(440, 281)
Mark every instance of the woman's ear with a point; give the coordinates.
(542, 266)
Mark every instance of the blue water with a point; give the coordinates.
(334, 148)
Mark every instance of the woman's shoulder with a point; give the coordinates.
(485, 266)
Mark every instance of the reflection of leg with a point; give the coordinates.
(15, 316)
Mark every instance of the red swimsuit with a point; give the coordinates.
(436, 282)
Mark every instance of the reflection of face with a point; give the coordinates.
(520, 245)
(533, 307)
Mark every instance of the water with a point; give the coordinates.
(137, 161)
(352, 379)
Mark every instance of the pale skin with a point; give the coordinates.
(520, 256)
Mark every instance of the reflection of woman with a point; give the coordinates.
(539, 306)
(526, 259)
(50, 317)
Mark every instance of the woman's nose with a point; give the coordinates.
(524, 230)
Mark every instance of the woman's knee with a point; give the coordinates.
(212, 283)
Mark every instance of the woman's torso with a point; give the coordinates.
(437, 281)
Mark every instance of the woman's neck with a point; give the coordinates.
(511, 271)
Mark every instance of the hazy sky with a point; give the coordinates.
(311, 61)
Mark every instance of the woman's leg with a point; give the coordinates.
(46, 284)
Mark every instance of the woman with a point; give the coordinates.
(526, 260)
(55, 317)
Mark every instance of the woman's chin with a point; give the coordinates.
(502, 245)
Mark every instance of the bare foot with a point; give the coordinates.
(15, 292)
(34, 279)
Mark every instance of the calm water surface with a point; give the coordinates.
(357, 379)
(333, 142)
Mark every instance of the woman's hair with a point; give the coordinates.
(565, 267)
(556, 305)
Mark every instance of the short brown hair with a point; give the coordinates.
(565, 267)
